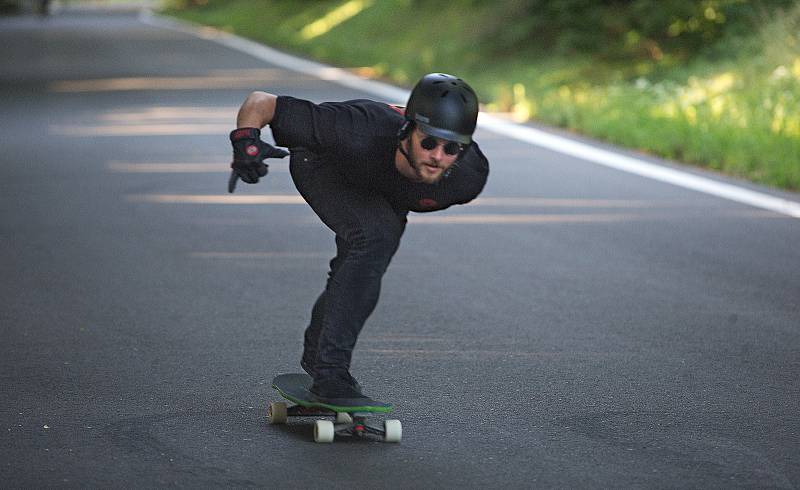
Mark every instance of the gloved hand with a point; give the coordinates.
(249, 153)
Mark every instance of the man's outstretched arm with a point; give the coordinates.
(249, 151)
(257, 110)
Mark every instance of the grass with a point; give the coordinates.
(732, 108)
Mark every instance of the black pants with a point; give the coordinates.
(368, 232)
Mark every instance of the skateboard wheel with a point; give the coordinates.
(393, 431)
(277, 413)
(344, 418)
(323, 431)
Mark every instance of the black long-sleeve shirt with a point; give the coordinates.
(360, 138)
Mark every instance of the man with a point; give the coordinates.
(362, 166)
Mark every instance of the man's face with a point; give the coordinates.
(432, 161)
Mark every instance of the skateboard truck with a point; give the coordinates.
(345, 423)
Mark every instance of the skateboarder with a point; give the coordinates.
(362, 166)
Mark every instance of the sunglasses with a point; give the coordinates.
(450, 147)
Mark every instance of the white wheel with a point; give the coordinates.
(277, 413)
(344, 418)
(394, 431)
(323, 431)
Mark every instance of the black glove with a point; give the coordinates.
(249, 153)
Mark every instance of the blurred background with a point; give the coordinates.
(714, 83)
(711, 82)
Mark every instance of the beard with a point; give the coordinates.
(418, 166)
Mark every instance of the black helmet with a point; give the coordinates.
(444, 106)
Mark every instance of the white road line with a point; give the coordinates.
(525, 134)
(642, 168)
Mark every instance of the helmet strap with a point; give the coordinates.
(411, 161)
(404, 134)
(452, 167)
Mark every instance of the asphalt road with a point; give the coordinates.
(578, 327)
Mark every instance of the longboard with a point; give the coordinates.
(350, 416)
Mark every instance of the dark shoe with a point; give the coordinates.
(338, 390)
(309, 368)
(353, 382)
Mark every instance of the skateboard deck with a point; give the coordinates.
(350, 416)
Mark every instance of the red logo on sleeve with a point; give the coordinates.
(428, 203)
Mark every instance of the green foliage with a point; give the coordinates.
(711, 82)
(667, 30)
(10, 6)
